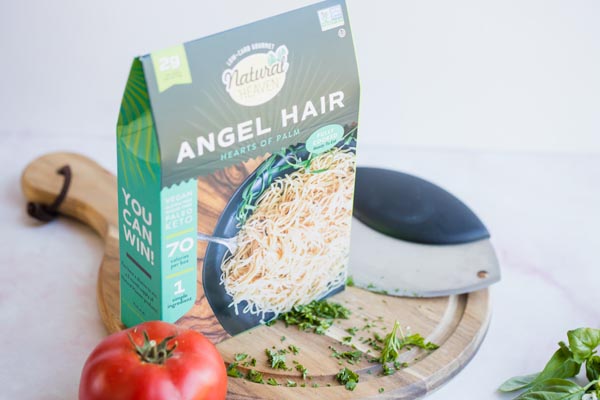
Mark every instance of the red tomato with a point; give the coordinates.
(154, 361)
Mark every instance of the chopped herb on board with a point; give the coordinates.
(233, 371)
(352, 331)
(255, 376)
(381, 390)
(276, 359)
(291, 384)
(302, 369)
(348, 378)
(350, 356)
(317, 315)
(295, 350)
(350, 281)
(392, 344)
(240, 356)
(387, 370)
(250, 363)
(272, 382)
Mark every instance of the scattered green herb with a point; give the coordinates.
(272, 382)
(315, 385)
(349, 281)
(392, 344)
(387, 370)
(381, 390)
(233, 371)
(400, 365)
(240, 356)
(282, 339)
(350, 356)
(373, 343)
(347, 339)
(291, 384)
(255, 376)
(317, 315)
(302, 369)
(295, 350)
(276, 359)
(250, 363)
(352, 331)
(348, 378)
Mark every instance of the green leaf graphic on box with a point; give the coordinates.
(138, 157)
(275, 57)
(583, 343)
(324, 138)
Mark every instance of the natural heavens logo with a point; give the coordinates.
(258, 77)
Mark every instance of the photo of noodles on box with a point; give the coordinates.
(287, 231)
(236, 167)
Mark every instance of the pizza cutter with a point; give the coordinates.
(412, 238)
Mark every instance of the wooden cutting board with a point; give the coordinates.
(457, 323)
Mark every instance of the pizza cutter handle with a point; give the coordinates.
(90, 195)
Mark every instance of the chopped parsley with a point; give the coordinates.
(392, 344)
(276, 359)
(255, 376)
(347, 378)
(350, 356)
(250, 363)
(233, 371)
(387, 370)
(295, 350)
(317, 316)
(272, 382)
(352, 331)
(302, 369)
(291, 384)
(240, 356)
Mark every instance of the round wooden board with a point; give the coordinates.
(457, 323)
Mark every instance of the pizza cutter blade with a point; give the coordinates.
(413, 238)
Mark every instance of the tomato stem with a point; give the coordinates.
(151, 352)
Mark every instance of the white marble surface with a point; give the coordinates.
(542, 211)
(509, 89)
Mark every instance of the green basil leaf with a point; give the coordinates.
(592, 368)
(583, 343)
(554, 389)
(561, 365)
(517, 383)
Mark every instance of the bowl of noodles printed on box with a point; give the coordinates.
(291, 222)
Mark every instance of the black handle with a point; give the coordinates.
(413, 209)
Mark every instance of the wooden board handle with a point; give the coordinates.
(91, 196)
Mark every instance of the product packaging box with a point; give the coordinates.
(236, 164)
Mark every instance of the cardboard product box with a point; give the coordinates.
(249, 136)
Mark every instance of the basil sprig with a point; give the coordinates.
(553, 383)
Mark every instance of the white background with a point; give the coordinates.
(499, 102)
(502, 75)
